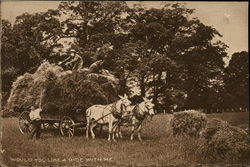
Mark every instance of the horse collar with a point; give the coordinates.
(114, 112)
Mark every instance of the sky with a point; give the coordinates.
(229, 18)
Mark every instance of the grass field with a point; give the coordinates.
(159, 147)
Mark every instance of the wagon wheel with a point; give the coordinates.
(24, 122)
(67, 126)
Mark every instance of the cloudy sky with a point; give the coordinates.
(229, 18)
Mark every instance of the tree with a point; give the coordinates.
(8, 71)
(27, 43)
(180, 52)
(91, 25)
(237, 80)
(35, 37)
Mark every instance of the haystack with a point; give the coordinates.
(60, 91)
(226, 142)
(189, 122)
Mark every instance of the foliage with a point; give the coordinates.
(237, 80)
(27, 43)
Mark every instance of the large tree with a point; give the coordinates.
(237, 80)
(178, 52)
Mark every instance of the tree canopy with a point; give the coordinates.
(164, 53)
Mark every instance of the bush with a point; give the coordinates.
(189, 122)
(226, 142)
(60, 91)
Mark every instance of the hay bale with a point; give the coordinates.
(226, 142)
(213, 125)
(64, 91)
(19, 93)
(189, 122)
(26, 90)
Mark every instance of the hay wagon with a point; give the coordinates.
(65, 123)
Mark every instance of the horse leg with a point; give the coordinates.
(139, 133)
(118, 132)
(132, 133)
(91, 130)
(100, 130)
(133, 129)
(110, 130)
(87, 129)
(114, 130)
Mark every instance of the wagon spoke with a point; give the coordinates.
(70, 133)
(55, 125)
(71, 129)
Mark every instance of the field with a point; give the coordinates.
(159, 147)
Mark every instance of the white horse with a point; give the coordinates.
(135, 116)
(106, 114)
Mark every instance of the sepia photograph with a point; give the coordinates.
(124, 84)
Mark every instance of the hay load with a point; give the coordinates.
(189, 122)
(226, 142)
(60, 90)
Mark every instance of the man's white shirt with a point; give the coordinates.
(35, 114)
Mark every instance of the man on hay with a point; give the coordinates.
(75, 62)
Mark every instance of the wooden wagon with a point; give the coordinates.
(66, 123)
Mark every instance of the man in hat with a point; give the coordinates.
(73, 60)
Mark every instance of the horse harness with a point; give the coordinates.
(117, 115)
(135, 112)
